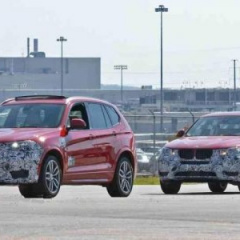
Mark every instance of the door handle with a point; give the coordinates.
(114, 133)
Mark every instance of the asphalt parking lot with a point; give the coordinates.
(86, 212)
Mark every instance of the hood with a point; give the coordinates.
(18, 134)
(210, 142)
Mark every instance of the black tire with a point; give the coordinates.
(217, 187)
(50, 177)
(30, 190)
(49, 182)
(170, 187)
(122, 183)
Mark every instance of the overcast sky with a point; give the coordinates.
(201, 37)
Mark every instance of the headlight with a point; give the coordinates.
(27, 149)
(168, 152)
(27, 145)
(15, 145)
(230, 152)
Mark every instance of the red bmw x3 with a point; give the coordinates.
(47, 141)
(209, 151)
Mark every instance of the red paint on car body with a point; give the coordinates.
(87, 156)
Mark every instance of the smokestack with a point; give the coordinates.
(28, 47)
(35, 45)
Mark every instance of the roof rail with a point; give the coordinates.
(34, 97)
(7, 100)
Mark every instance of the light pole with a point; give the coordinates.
(121, 67)
(161, 9)
(61, 39)
(234, 86)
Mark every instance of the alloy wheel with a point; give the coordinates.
(125, 177)
(52, 176)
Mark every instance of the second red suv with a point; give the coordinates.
(47, 141)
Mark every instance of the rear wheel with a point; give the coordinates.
(217, 187)
(122, 183)
(170, 187)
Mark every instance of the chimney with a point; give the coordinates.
(28, 47)
(35, 45)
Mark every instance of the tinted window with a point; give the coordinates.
(31, 115)
(216, 126)
(97, 116)
(108, 121)
(115, 119)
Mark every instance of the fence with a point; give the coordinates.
(149, 139)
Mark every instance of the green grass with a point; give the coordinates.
(146, 180)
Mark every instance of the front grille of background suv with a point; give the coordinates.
(200, 154)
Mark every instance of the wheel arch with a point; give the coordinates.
(130, 156)
(57, 154)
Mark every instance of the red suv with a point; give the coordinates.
(47, 141)
(209, 151)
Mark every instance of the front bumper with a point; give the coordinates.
(216, 168)
(19, 165)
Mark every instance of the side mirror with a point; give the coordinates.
(77, 123)
(180, 133)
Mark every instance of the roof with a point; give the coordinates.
(51, 99)
(222, 114)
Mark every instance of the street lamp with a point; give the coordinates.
(234, 86)
(121, 67)
(61, 39)
(161, 9)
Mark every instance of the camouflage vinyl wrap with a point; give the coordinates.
(19, 162)
(224, 164)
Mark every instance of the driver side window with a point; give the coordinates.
(78, 111)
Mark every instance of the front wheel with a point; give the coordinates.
(217, 187)
(50, 178)
(170, 187)
(49, 182)
(122, 183)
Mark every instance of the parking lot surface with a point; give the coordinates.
(89, 213)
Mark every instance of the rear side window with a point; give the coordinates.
(107, 118)
(115, 119)
(98, 120)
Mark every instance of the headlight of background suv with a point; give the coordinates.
(230, 152)
(168, 152)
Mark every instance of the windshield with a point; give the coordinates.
(31, 115)
(216, 126)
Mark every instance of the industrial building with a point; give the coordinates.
(38, 72)
(44, 73)
(145, 100)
